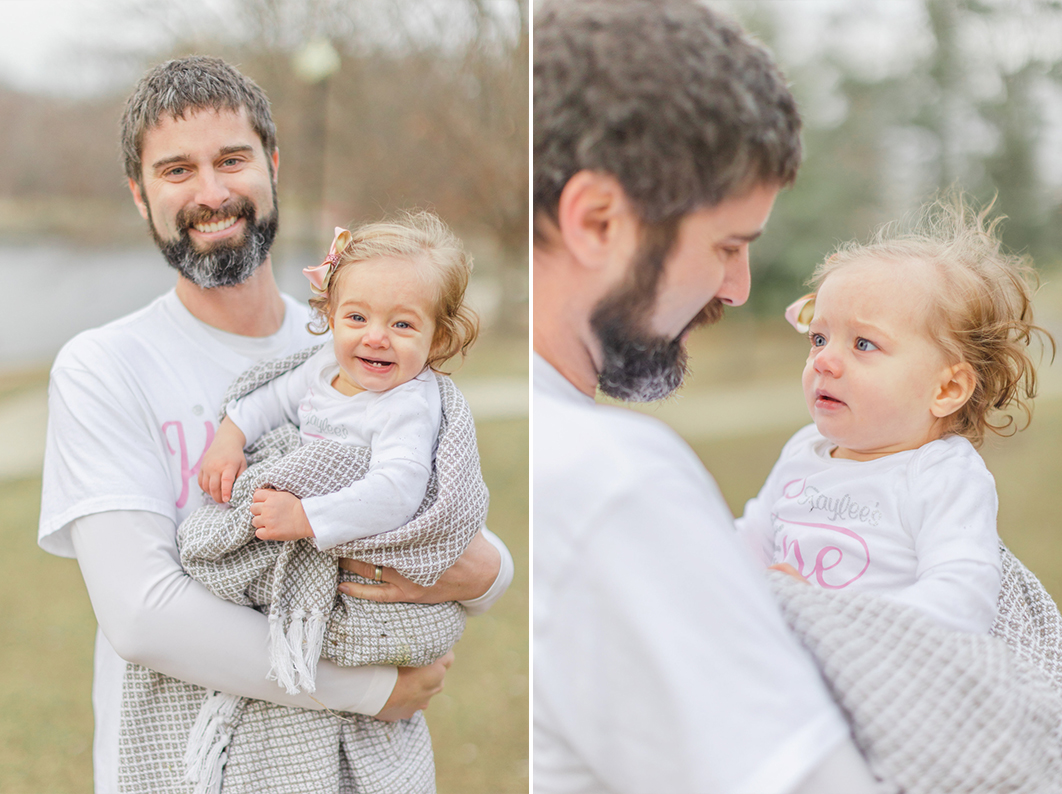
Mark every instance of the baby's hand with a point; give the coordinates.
(223, 462)
(785, 567)
(219, 470)
(278, 515)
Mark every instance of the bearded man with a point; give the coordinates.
(133, 406)
(662, 135)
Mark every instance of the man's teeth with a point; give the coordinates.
(217, 226)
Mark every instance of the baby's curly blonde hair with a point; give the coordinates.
(422, 238)
(981, 312)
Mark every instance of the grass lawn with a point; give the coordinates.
(479, 724)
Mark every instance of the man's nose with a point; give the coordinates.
(734, 290)
(211, 191)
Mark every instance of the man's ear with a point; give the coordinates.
(957, 386)
(138, 198)
(596, 219)
(275, 157)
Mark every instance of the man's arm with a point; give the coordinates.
(155, 615)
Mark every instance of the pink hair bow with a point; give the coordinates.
(800, 312)
(320, 274)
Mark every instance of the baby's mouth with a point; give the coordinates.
(824, 397)
(373, 363)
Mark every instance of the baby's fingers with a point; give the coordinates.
(228, 477)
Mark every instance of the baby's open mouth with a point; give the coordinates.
(375, 364)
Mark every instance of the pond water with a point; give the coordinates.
(50, 293)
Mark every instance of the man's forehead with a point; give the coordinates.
(221, 128)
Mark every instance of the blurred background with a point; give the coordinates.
(900, 98)
(380, 105)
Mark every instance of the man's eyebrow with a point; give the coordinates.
(246, 147)
(180, 158)
(165, 161)
(746, 238)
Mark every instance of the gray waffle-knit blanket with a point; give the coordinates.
(937, 711)
(176, 737)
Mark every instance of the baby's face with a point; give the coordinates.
(874, 376)
(382, 325)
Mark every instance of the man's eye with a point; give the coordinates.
(178, 171)
(865, 345)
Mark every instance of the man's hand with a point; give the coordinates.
(470, 577)
(223, 462)
(414, 688)
(278, 515)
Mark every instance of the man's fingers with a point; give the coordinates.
(358, 566)
(383, 593)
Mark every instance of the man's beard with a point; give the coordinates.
(637, 366)
(226, 263)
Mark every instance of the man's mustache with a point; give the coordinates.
(238, 207)
(709, 315)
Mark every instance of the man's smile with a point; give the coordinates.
(215, 226)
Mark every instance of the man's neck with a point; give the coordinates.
(562, 334)
(253, 308)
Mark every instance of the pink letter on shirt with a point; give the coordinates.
(186, 473)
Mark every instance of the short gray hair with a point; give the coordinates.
(676, 102)
(176, 87)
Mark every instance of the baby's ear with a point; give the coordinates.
(957, 386)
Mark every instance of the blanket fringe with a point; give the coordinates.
(208, 742)
(295, 644)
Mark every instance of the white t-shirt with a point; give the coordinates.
(661, 660)
(400, 425)
(918, 525)
(133, 406)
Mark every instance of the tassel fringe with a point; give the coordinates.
(295, 643)
(208, 742)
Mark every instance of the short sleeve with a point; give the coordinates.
(101, 453)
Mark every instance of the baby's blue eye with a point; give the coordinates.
(865, 345)
(817, 340)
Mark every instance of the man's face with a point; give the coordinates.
(676, 282)
(209, 195)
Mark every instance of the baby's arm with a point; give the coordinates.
(246, 420)
(404, 429)
(961, 595)
(223, 461)
(951, 512)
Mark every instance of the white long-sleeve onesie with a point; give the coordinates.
(400, 426)
(918, 526)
